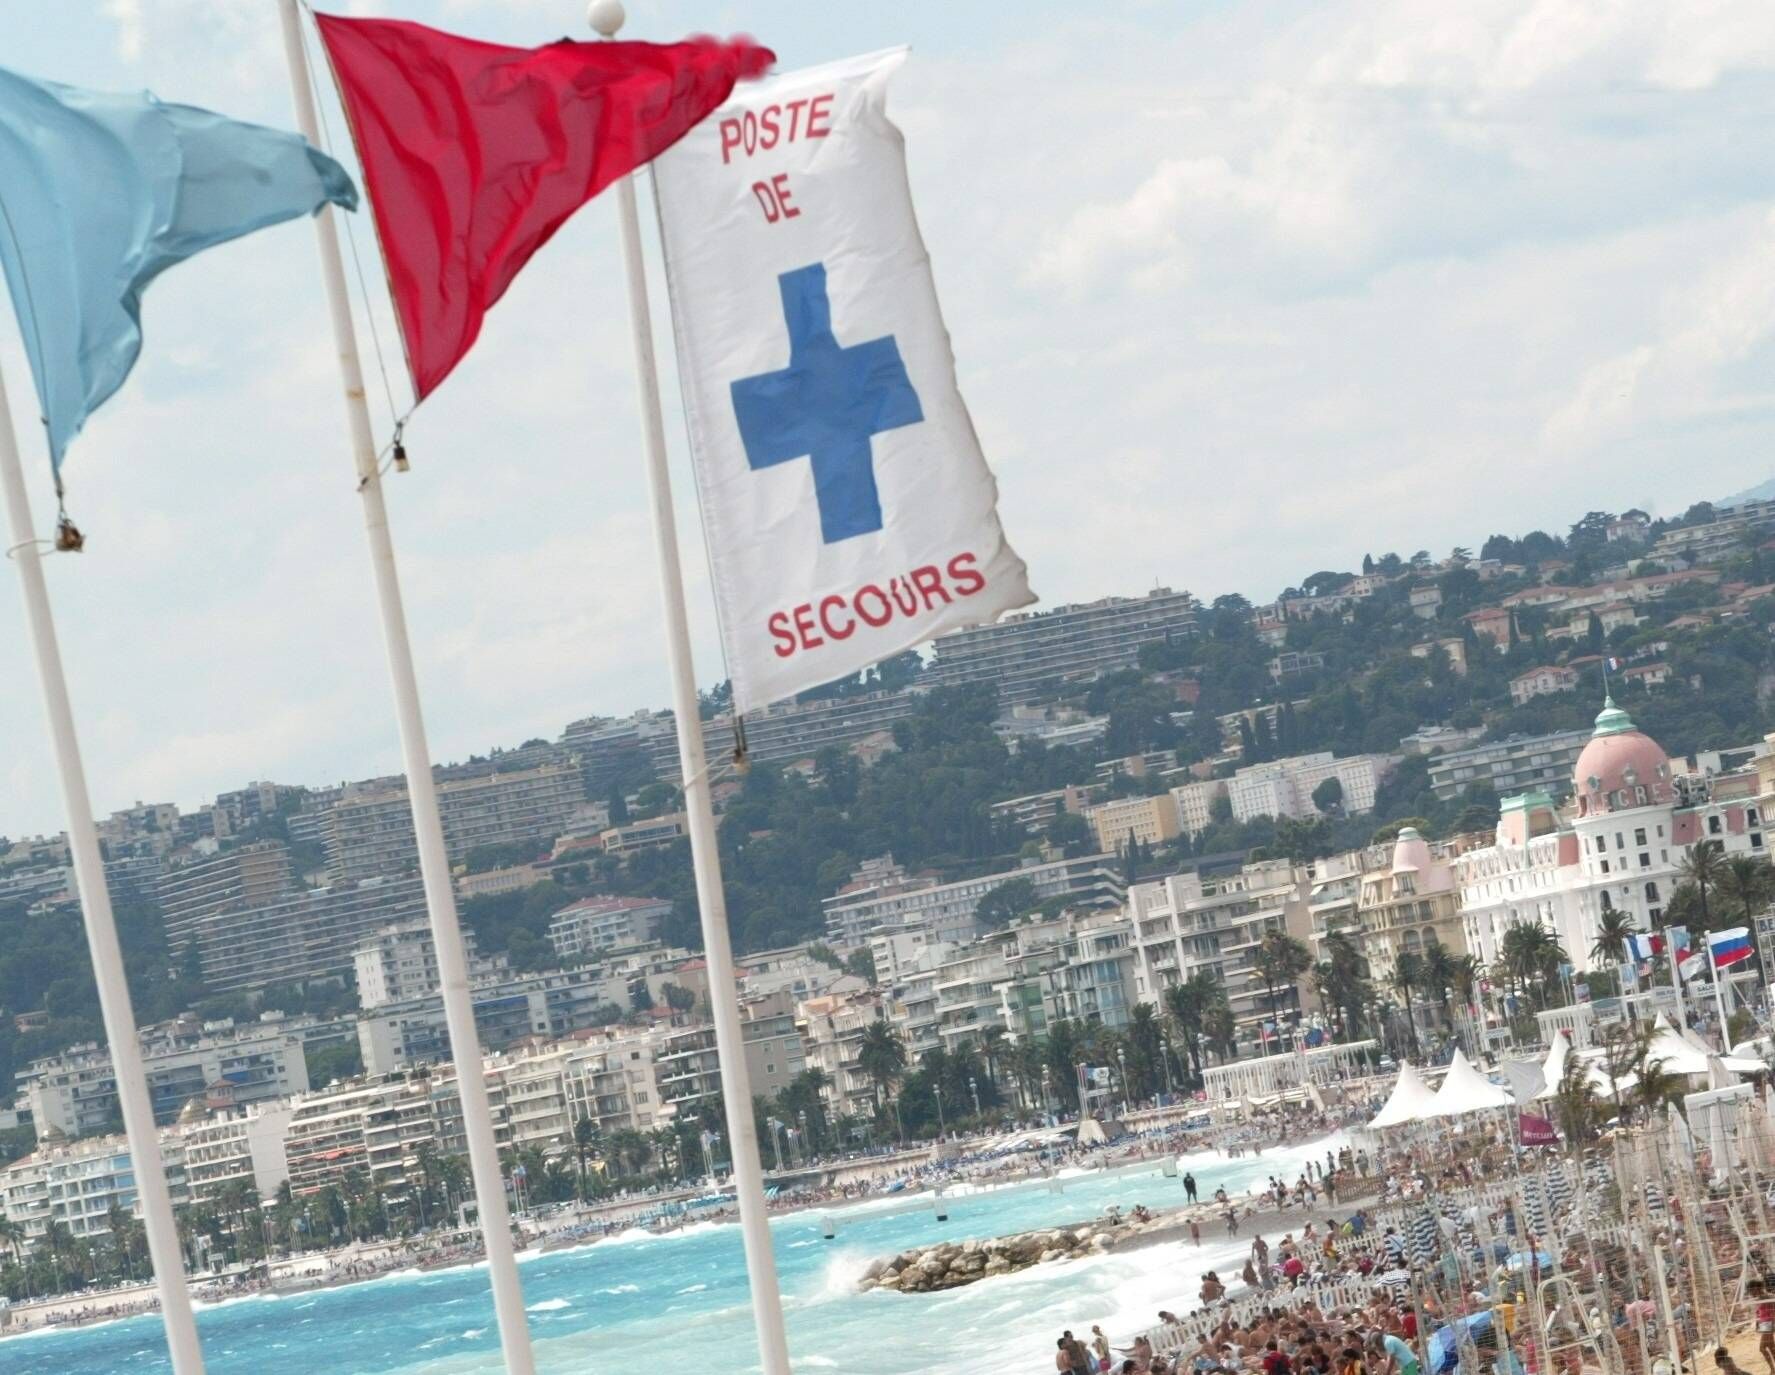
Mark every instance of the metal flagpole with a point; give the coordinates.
(434, 864)
(742, 1133)
(101, 929)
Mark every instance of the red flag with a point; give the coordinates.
(474, 154)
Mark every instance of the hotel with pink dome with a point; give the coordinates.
(1617, 843)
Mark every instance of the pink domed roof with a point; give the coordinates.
(1621, 767)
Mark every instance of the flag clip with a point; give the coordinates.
(742, 755)
(68, 539)
(400, 450)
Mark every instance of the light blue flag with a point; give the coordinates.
(100, 194)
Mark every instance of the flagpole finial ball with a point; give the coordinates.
(606, 17)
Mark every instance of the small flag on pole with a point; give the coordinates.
(475, 154)
(103, 193)
(1644, 947)
(849, 510)
(1729, 947)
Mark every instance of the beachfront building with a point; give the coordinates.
(77, 1184)
(1618, 844)
(772, 1042)
(1272, 1076)
(832, 1029)
(75, 1093)
(1332, 897)
(372, 1124)
(1192, 922)
(239, 1146)
(1408, 904)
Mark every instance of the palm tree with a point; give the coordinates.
(1280, 960)
(585, 1137)
(1702, 865)
(1438, 974)
(1342, 982)
(992, 1050)
(1532, 955)
(1408, 974)
(1219, 1029)
(1185, 1004)
(1613, 930)
(1746, 884)
(1144, 1048)
(881, 1055)
(1576, 1107)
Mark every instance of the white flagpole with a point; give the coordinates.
(101, 929)
(742, 1132)
(434, 864)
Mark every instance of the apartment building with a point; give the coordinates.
(243, 1146)
(370, 831)
(594, 925)
(1024, 654)
(399, 964)
(646, 835)
(508, 1007)
(1035, 812)
(243, 879)
(1134, 820)
(76, 1184)
(605, 1076)
(832, 1028)
(688, 1069)
(1284, 787)
(1409, 903)
(308, 933)
(1517, 764)
(75, 1092)
(1190, 922)
(946, 910)
(772, 1042)
(1542, 681)
(373, 1124)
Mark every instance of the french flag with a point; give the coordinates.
(1729, 947)
(1643, 947)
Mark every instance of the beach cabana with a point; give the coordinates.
(1466, 1090)
(1410, 1096)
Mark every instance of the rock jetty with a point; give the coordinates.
(953, 1264)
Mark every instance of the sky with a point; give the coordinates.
(1237, 292)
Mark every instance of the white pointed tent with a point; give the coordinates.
(1554, 1069)
(1466, 1090)
(1410, 1097)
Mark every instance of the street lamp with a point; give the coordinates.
(1122, 1066)
(937, 1093)
(974, 1089)
(1047, 1090)
(776, 1140)
(801, 1116)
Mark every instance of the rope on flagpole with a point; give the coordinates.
(397, 416)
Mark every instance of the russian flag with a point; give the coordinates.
(1643, 947)
(1729, 947)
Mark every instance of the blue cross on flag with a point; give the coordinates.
(849, 511)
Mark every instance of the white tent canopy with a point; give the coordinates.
(1466, 1090)
(1408, 1101)
(1554, 1068)
(1682, 1052)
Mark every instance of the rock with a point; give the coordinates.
(997, 1265)
(970, 1247)
(1103, 1241)
(1052, 1253)
(891, 1280)
(877, 1268)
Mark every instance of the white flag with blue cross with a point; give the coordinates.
(849, 511)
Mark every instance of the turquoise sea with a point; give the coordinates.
(679, 1303)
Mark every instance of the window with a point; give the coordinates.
(1756, 840)
(1651, 892)
(1639, 836)
(1602, 843)
(1605, 866)
(1664, 856)
(1645, 860)
(1620, 844)
(1713, 825)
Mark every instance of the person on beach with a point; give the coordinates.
(1099, 1348)
(1195, 1231)
(1189, 1187)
